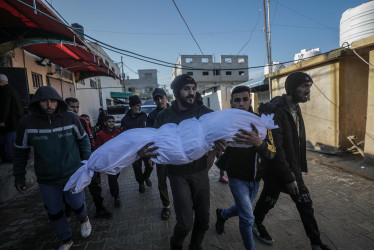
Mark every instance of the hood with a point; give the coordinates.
(269, 107)
(46, 92)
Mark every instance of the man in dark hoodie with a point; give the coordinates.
(136, 118)
(190, 182)
(161, 100)
(243, 166)
(284, 172)
(60, 144)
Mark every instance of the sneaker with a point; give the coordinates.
(224, 180)
(220, 223)
(86, 228)
(117, 201)
(141, 188)
(320, 246)
(260, 231)
(165, 213)
(103, 213)
(148, 182)
(66, 245)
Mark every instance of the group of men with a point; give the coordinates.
(278, 160)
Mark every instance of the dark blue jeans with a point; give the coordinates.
(6, 145)
(53, 200)
(244, 193)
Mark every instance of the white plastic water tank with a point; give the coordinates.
(357, 23)
(305, 54)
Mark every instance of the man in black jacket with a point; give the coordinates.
(284, 172)
(161, 100)
(190, 182)
(136, 118)
(242, 165)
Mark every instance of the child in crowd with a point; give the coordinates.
(108, 132)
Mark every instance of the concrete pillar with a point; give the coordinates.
(369, 135)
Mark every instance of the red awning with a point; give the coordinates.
(22, 26)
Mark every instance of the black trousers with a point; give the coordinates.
(269, 196)
(162, 173)
(191, 193)
(95, 188)
(139, 175)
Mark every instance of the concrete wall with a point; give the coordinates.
(144, 86)
(369, 135)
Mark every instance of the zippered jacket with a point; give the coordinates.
(59, 141)
(105, 135)
(290, 158)
(246, 163)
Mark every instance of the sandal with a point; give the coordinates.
(165, 213)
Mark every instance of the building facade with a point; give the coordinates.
(144, 86)
(215, 79)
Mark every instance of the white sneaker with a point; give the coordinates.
(66, 246)
(86, 228)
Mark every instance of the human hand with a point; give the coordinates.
(20, 185)
(249, 138)
(220, 146)
(292, 188)
(146, 151)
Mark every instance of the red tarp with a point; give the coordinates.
(21, 24)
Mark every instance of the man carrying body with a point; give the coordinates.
(161, 100)
(190, 182)
(60, 144)
(284, 172)
(136, 118)
(95, 185)
(243, 170)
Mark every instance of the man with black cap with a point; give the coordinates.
(136, 118)
(190, 182)
(284, 172)
(161, 100)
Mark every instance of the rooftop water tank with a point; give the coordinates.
(357, 23)
(78, 29)
(305, 54)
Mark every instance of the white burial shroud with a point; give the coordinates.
(177, 144)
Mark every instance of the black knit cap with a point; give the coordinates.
(180, 81)
(133, 100)
(295, 79)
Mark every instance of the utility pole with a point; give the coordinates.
(122, 74)
(268, 42)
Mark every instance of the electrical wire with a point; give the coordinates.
(187, 27)
(250, 37)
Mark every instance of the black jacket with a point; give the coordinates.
(246, 163)
(10, 108)
(174, 115)
(290, 158)
(130, 121)
(152, 116)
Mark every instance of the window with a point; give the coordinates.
(228, 60)
(148, 75)
(92, 83)
(205, 73)
(107, 63)
(215, 89)
(228, 73)
(113, 69)
(241, 73)
(208, 102)
(132, 90)
(204, 60)
(216, 72)
(108, 102)
(37, 80)
(188, 60)
(189, 73)
(241, 60)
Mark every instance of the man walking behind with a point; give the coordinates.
(136, 118)
(243, 169)
(190, 182)
(284, 172)
(161, 100)
(60, 144)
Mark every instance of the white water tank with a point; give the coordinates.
(306, 54)
(357, 23)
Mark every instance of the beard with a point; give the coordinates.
(298, 97)
(187, 104)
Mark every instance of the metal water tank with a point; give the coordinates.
(357, 23)
(78, 29)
